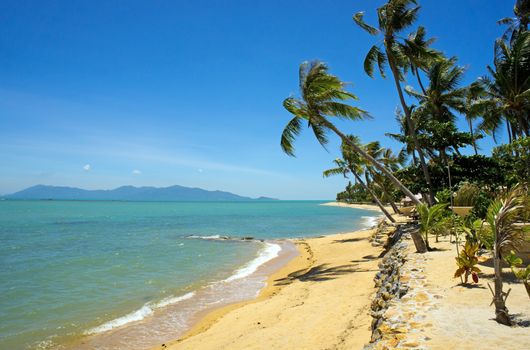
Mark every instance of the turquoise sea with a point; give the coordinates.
(72, 270)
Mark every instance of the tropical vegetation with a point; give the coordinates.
(439, 166)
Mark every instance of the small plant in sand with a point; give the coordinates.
(467, 261)
(432, 220)
(477, 232)
(520, 272)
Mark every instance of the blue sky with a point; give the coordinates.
(98, 94)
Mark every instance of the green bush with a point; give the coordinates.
(443, 196)
(515, 158)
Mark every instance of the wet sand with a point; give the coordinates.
(319, 300)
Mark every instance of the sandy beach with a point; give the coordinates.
(319, 300)
(461, 316)
(322, 298)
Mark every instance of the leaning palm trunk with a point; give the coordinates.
(376, 200)
(375, 163)
(322, 94)
(389, 197)
(392, 204)
(419, 243)
(390, 201)
(410, 122)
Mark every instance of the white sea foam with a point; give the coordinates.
(212, 237)
(174, 300)
(371, 221)
(138, 315)
(269, 252)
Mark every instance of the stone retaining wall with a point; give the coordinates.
(402, 299)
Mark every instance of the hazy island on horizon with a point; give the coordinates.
(129, 193)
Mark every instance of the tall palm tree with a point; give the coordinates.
(508, 88)
(502, 216)
(520, 22)
(440, 100)
(419, 54)
(393, 18)
(322, 95)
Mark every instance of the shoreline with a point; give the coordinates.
(204, 316)
(372, 207)
(223, 324)
(209, 318)
(240, 287)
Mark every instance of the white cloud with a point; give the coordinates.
(136, 172)
(87, 167)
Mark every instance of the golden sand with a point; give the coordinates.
(464, 317)
(319, 300)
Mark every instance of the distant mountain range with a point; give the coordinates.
(129, 193)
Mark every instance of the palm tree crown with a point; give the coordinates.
(509, 87)
(322, 97)
(393, 18)
(519, 23)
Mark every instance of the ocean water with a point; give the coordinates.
(72, 270)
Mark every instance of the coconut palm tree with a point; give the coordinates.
(438, 103)
(393, 18)
(519, 23)
(322, 96)
(419, 54)
(502, 216)
(508, 89)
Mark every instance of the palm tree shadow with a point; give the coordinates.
(507, 276)
(470, 286)
(366, 258)
(319, 273)
(521, 320)
(438, 249)
(350, 240)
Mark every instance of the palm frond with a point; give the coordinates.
(358, 18)
(320, 134)
(374, 55)
(291, 130)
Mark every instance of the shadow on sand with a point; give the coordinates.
(350, 240)
(366, 258)
(319, 273)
